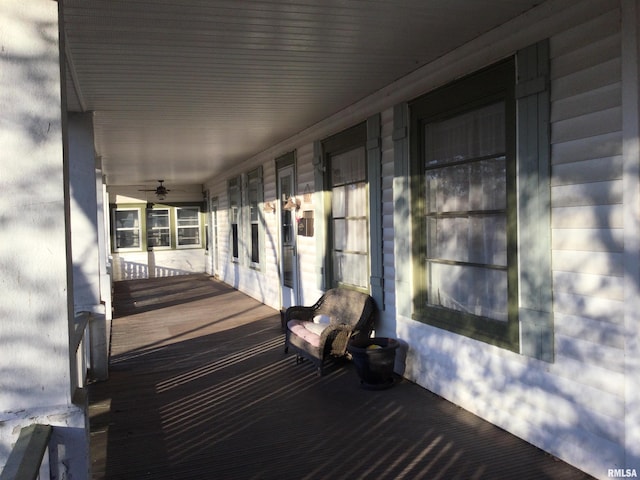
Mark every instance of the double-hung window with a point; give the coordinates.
(234, 217)
(127, 231)
(255, 197)
(350, 218)
(158, 228)
(463, 144)
(188, 227)
(346, 160)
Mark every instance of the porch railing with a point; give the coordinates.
(80, 355)
(29, 459)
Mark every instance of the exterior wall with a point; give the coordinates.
(143, 263)
(579, 407)
(36, 281)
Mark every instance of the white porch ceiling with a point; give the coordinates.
(182, 89)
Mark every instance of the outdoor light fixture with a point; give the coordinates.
(160, 191)
(292, 204)
(269, 207)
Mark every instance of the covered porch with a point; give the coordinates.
(200, 387)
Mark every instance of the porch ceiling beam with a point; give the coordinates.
(74, 75)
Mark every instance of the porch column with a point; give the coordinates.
(87, 238)
(36, 287)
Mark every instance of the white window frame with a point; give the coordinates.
(178, 227)
(235, 218)
(254, 185)
(150, 229)
(116, 229)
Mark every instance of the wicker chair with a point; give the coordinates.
(324, 329)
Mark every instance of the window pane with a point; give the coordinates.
(234, 205)
(474, 290)
(158, 234)
(158, 219)
(466, 219)
(348, 167)
(188, 217)
(128, 239)
(351, 235)
(351, 268)
(338, 201)
(356, 200)
(234, 233)
(189, 236)
(127, 229)
(127, 219)
(339, 234)
(253, 204)
(471, 239)
(479, 133)
(479, 185)
(350, 217)
(188, 226)
(350, 200)
(288, 265)
(158, 239)
(357, 237)
(255, 251)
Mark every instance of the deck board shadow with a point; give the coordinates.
(200, 388)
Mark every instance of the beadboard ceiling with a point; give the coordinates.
(182, 89)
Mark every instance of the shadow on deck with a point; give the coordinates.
(200, 388)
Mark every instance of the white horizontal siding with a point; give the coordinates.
(268, 278)
(606, 287)
(588, 125)
(587, 171)
(593, 216)
(586, 197)
(607, 145)
(589, 329)
(604, 240)
(598, 99)
(596, 193)
(590, 262)
(309, 261)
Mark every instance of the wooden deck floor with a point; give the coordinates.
(200, 388)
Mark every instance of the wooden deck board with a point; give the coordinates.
(200, 388)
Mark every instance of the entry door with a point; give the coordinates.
(288, 253)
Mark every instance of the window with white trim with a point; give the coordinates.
(255, 195)
(158, 228)
(126, 231)
(188, 227)
(234, 218)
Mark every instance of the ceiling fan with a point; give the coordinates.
(160, 191)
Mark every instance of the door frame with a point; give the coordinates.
(285, 166)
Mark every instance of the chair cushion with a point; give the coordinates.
(326, 319)
(308, 331)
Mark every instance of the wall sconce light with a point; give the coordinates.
(269, 207)
(292, 204)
